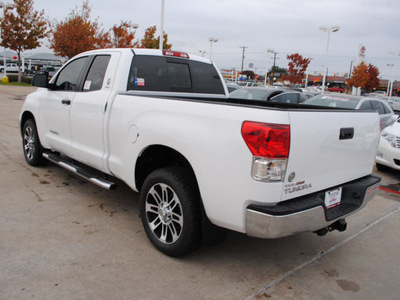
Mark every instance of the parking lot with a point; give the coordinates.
(64, 238)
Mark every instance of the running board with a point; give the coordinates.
(82, 172)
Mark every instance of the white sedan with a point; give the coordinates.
(388, 155)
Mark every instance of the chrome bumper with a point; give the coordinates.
(268, 225)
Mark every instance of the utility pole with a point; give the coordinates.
(243, 47)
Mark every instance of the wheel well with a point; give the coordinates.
(156, 157)
(26, 116)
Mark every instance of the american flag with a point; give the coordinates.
(139, 82)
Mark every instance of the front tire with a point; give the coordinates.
(33, 150)
(170, 211)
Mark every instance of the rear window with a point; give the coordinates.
(165, 74)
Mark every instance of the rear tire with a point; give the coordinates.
(33, 150)
(170, 211)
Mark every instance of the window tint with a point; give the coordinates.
(97, 71)
(366, 106)
(205, 78)
(386, 109)
(377, 106)
(68, 77)
(158, 73)
(286, 98)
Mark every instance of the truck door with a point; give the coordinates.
(56, 105)
(87, 119)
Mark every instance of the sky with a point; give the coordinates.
(284, 26)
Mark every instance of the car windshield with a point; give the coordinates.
(333, 101)
(250, 94)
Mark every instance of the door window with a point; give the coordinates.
(95, 77)
(377, 106)
(68, 78)
(366, 106)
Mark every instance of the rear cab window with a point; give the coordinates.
(169, 74)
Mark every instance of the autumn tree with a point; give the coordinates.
(123, 36)
(24, 29)
(77, 33)
(297, 67)
(150, 41)
(364, 76)
(373, 78)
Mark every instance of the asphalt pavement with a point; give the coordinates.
(64, 238)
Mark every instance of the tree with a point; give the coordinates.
(373, 81)
(24, 29)
(77, 33)
(122, 36)
(297, 67)
(365, 76)
(250, 74)
(149, 41)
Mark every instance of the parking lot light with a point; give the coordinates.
(328, 30)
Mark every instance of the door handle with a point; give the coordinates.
(66, 102)
(346, 133)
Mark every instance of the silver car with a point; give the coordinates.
(385, 111)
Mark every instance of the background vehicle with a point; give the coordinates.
(255, 93)
(388, 155)
(386, 114)
(232, 87)
(395, 103)
(291, 97)
(336, 89)
(10, 68)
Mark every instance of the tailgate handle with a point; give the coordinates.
(346, 133)
(66, 101)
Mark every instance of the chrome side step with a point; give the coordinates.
(82, 172)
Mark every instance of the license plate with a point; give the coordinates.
(333, 197)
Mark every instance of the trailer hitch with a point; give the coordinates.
(340, 225)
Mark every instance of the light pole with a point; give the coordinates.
(266, 66)
(328, 30)
(202, 53)
(212, 40)
(4, 7)
(306, 83)
(243, 48)
(390, 82)
(162, 26)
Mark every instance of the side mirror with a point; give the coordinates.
(40, 80)
(394, 118)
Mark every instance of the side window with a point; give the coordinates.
(68, 77)
(386, 109)
(290, 98)
(377, 106)
(366, 106)
(97, 71)
(277, 98)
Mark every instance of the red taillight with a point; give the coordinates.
(175, 53)
(267, 140)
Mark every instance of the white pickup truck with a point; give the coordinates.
(161, 122)
(10, 68)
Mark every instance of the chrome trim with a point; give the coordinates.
(101, 182)
(268, 226)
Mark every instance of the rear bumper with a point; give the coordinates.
(308, 213)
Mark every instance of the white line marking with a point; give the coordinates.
(321, 254)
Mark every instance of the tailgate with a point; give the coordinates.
(328, 149)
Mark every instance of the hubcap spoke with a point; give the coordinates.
(164, 213)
